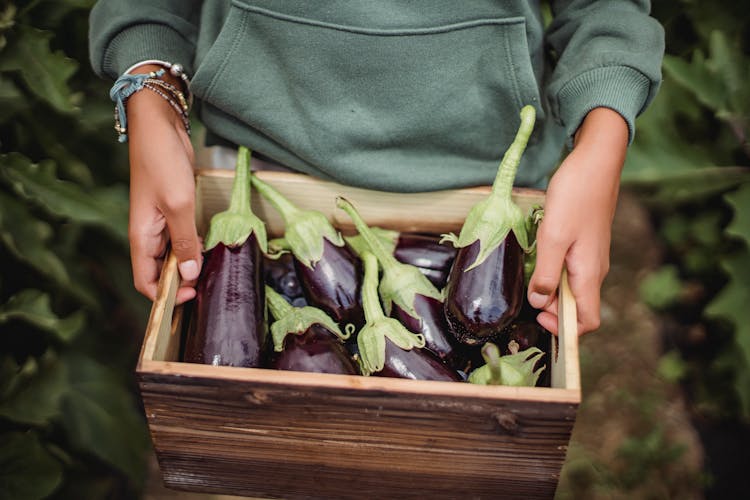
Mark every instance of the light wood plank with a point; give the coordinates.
(161, 340)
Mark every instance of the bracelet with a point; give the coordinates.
(181, 109)
(175, 69)
(128, 84)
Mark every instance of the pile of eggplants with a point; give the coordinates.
(379, 302)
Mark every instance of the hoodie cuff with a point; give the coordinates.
(620, 88)
(146, 42)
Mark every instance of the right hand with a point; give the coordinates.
(162, 194)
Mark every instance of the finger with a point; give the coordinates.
(185, 294)
(548, 321)
(551, 251)
(145, 253)
(586, 288)
(179, 211)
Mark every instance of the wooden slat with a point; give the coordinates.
(307, 441)
(162, 337)
(436, 212)
(566, 371)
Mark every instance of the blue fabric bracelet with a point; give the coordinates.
(125, 86)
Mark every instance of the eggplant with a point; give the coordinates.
(306, 339)
(330, 274)
(485, 287)
(481, 301)
(229, 320)
(517, 369)
(407, 294)
(423, 251)
(386, 347)
(282, 277)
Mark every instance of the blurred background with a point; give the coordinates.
(666, 380)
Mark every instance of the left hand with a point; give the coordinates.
(577, 225)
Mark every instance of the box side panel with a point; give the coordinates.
(291, 441)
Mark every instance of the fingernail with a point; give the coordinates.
(189, 270)
(537, 300)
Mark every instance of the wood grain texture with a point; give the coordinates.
(298, 441)
(277, 434)
(436, 211)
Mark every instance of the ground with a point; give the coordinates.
(633, 437)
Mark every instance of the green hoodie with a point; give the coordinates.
(392, 94)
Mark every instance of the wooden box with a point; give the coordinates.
(279, 434)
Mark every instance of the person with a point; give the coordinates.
(390, 95)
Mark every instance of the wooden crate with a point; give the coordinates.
(281, 434)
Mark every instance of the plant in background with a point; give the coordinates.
(690, 164)
(70, 426)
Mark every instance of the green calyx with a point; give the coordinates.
(371, 338)
(400, 282)
(387, 238)
(515, 369)
(292, 320)
(491, 219)
(235, 225)
(305, 229)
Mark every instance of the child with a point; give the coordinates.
(390, 95)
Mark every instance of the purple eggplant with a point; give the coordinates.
(229, 319)
(330, 274)
(407, 294)
(485, 287)
(481, 301)
(386, 347)
(306, 339)
(423, 251)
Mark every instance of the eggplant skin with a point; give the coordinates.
(415, 364)
(437, 335)
(425, 252)
(229, 322)
(317, 350)
(334, 284)
(481, 302)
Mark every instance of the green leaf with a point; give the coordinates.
(102, 418)
(662, 288)
(27, 238)
(45, 72)
(27, 470)
(732, 301)
(34, 391)
(739, 200)
(11, 99)
(33, 307)
(104, 207)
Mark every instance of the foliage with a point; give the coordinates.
(690, 163)
(70, 426)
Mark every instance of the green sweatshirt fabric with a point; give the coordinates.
(393, 95)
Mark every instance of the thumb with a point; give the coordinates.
(185, 243)
(549, 263)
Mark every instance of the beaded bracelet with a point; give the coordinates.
(128, 84)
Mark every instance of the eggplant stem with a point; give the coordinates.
(239, 203)
(370, 299)
(387, 260)
(506, 172)
(234, 225)
(491, 355)
(278, 305)
(285, 207)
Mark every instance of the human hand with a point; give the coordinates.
(162, 194)
(576, 229)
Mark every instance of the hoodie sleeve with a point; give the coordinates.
(125, 32)
(607, 53)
